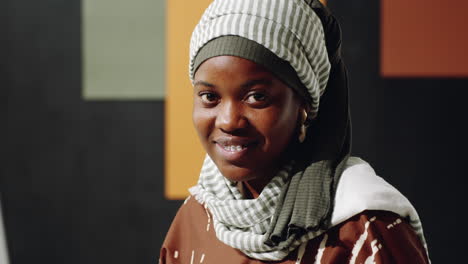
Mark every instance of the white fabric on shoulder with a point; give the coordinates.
(360, 189)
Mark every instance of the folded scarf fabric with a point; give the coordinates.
(244, 224)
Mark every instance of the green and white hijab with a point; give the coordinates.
(299, 203)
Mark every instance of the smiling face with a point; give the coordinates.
(245, 118)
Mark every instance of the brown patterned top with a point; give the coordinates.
(369, 237)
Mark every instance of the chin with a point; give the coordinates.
(236, 174)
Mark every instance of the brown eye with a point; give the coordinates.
(209, 98)
(255, 98)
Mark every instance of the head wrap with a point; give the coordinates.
(297, 203)
(289, 29)
(251, 50)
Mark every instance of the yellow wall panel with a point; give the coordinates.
(183, 152)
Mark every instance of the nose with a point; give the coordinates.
(231, 117)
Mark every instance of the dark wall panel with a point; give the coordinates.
(422, 150)
(83, 181)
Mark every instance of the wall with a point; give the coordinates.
(82, 181)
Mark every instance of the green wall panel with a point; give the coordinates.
(123, 49)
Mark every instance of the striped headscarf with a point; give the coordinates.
(296, 205)
(289, 29)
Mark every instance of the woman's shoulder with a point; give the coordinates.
(192, 238)
(191, 221)
(191, 216)
(360, 188)
(372, 236)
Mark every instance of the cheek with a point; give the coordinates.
(200, 122)
(278, 127)
(203, 121)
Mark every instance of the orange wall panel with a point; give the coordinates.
(183, 152)
(424, 38)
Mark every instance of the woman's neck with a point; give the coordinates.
(251, 189)
(248, 190)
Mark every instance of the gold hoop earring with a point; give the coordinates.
(303, 129)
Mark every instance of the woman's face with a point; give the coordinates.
(245, 117)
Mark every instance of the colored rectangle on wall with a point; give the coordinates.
(424, 38)
(183, 152)
(123, 49)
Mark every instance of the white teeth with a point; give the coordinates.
(233, 148)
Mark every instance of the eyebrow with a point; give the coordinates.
(196, 83)
(251, 83)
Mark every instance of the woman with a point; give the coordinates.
(278, 184)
